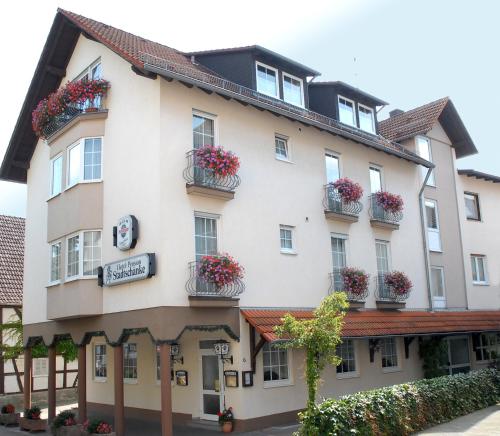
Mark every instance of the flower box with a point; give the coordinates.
(223, 163)
(219, 270)
(9, 418)
(348, 190)
(32, 424)
(391, 203)
(70, 430)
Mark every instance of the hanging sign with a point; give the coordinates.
(125, 234)
(127, 270)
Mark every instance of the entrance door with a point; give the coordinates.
(458, 354)
(211, 386)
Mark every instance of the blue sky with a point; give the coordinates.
(405, 52)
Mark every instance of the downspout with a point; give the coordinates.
(424, 236)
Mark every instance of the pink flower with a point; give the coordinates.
(348, 190)
(219, 270)
(355, 281)
(222, 163)
(389, 202)
(398, 282)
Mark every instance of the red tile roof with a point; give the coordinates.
(11, 260)
(414, 122)
(373, 323)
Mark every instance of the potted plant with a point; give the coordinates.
(9, 415)
(226, 418)
(219, 270)
(98, 426)
(398, 283)
(348, 190)
(392, 203)
(355, 282)
(32, 420)
(65, 424)
(223, 163)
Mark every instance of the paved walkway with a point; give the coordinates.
(485, 422)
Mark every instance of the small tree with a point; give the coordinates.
(319, 337)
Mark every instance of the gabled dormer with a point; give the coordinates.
(261, 70)
(346, 104)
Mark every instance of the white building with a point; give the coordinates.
(134, 157)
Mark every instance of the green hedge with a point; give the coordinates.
(403, 409)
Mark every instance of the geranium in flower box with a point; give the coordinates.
(32, 420)
(8, 415)
(389, 202)
(223, 163)
(65, 424)
(219, 270)
(355, 281)
(226, 418)
(98, 427)
(348, 190)
(398, 283)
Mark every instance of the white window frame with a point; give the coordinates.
(387, 244)
(478, 208)
(292, 250)
(345, 238)
(335, 155)
(439, 300)
(81, 143)
(398, 356)
(40, 367)
(80, 275)
(58, 281)
(298, 79)
(276, 78)
(286, 140)
(208, 116)
(51, 182)
(131, 381)
(432, 179)
(433, 231)
(88, 70)
(475, 257)
(354, 121)
(279, 383)
(94, 355)
(368, 108)
(489, 347)
(350, 374)
(380, 169)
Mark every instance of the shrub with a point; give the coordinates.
(33, 413)
(404, 409)
(64, 419)
(8, 408)
(348, 190)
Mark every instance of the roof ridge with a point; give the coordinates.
(423, 106)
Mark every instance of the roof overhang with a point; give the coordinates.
(457, 132)
(379, 323)
(479, 175)
(345, 86)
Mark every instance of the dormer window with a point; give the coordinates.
(293, 91)
(347, 114)
(267, 80)
(366, 118)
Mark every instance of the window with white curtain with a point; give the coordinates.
(100, 362)
(55, 262)
(346, 351)
(281, 148)
(286, 239)
(130, 361)
(432, 222)
(347, 111)
(338, 244)
(389, 352)
(479, 274)
(84, 161)
(83, 260)
(275, 364)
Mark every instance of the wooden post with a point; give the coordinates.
(51, 386)
(166, 390)
(27, 378)
(119, 397)
(82, 384)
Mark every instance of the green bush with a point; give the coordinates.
(403, 409)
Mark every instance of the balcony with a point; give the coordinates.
(380, 217)
(386, 297)
(205, 182)
(204, 292)
(356, 300)
(338, 209)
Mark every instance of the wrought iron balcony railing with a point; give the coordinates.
(194, 174)
(71, 112)
(378, 213)
(197, 286)
(337, 285)
(333, 202)
(386, 293)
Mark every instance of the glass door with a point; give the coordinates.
(458, 355)
(211, 386)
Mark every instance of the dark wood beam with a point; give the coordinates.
(55, 71)
(144, 73)
(187, 85)
(207, 91)
(254, 348)
(21, 164)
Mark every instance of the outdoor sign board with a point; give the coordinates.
(125, 234)
(142, 266)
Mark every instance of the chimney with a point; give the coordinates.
(395, 112)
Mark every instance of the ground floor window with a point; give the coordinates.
(40, 367)
(389, 351)
(346, 352)
(130, 361)
(276, 369)
(488, 346)
(100, 364)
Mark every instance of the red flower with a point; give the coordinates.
(348, 190)
(222, 163)
(219, 270)
(389, 202)
(355, 280)
(398, 282)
